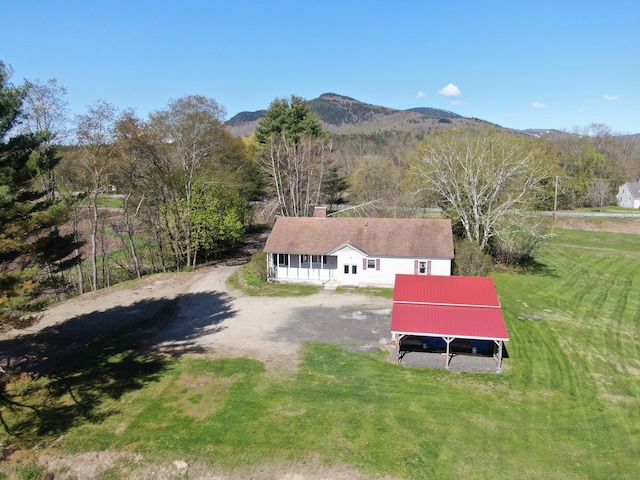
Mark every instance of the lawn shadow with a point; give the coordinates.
(542, 269)
(71, 373)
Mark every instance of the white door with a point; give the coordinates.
(350, 274)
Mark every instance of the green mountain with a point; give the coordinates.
(340, 114)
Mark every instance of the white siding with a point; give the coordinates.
(626, 199)
(382, 272)
(389, 267)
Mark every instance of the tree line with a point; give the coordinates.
(105, 196)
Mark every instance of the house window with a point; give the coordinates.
(315, 258)
(422, 267)
(346, 269)
(369, 263)
(282, 260)
(305, 258)
(354, 269)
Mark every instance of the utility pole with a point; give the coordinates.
(555, 201)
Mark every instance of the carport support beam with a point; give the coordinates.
(448, 340)
(499, 355)
(400, 337)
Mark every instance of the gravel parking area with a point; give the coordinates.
(196, 313)
(366, 329)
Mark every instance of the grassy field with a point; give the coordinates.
(567, 405)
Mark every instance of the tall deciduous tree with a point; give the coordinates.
(170, 161)
(196, 147)
(296, 154)
(30, 242)
(95, 133)
(46, 109)
(481, 176)
(601, 193)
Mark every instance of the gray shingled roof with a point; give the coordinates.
(377, 237)
(635, 189)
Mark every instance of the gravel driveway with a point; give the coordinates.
(196, 313)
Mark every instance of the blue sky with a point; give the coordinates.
(543, 64)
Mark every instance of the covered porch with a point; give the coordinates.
(302, 267)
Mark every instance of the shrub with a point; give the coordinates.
(518, 239)
(470, 260)
(255, 272)
(31, 471)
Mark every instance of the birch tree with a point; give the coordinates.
(95, 133)
(296, 155)
(481, 177)
(297, 170)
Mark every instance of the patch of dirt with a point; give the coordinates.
(86, 466)
(599, 225)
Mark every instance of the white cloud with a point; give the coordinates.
(610, 97)
(420, 94)
(539, 105)
(450, 91)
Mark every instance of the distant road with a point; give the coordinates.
(572, 214)
(592, 214)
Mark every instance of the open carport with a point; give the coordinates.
(450, 315)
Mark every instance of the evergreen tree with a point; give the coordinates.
(32, 250)
(334, 187)
(290, 119)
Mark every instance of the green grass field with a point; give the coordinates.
(567, 405)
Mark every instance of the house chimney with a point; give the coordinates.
(320, 212)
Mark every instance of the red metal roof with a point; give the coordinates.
(439, 321)
(444, 290)
(441, 306)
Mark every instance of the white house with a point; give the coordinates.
(629, 195)
(357, 251)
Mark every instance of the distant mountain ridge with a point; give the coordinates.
(340, 114)
(434, 112)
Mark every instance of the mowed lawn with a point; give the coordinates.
(567, 405)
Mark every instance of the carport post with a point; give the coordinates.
(399, 341)
(448, 340)
(499, 355)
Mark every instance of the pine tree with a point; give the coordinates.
(32, 250)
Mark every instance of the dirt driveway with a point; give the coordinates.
(196, 312)
(271, 329)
